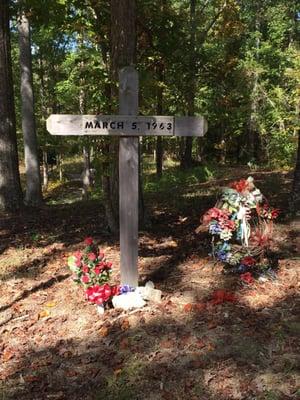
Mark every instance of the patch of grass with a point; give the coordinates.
(122, 384)
(176, 179)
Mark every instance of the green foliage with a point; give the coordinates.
(241, 71)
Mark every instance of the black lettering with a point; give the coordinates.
(120, 125)
(112, 125)
(104, 124)
(161, 126)
(148, 125)
(154, 125)
(169, 126)
(133, 125)
(88, 124)
(97, 125)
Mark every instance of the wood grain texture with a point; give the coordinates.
(126, 125)
(128, 180)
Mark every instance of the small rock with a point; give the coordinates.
(128, 300)
(148, 293)
(100, 309)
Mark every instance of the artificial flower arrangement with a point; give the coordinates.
(92, 271)
(241, 225)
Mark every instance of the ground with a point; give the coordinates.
(54, 345)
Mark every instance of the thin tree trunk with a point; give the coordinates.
(187, 160)
(86, 174)
(60, 166)
(159, 140)
(295, 197)
(33, 196)
(252, 132)
(45, 170)
(10, 187)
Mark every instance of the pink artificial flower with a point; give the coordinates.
(85, 268)
(85, 279)
(78, 262)
(78, 254)
(88, 241)
(92, 256)
(97, 270)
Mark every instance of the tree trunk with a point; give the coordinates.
(123, 53)
(45, 170)
(187, 160)
(295, 198)
(159, 140)
(33, 196)
(252, 131)
(10, 187)
(86, 174)
(59, 165)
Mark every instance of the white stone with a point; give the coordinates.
(128, 300)
(100, 309)
(148, 293)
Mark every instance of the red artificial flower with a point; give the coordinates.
(262, 236)
(115, 290)
(101, 255)
(92, 256)
(97, 270)
(247, 278)
(248, 261)
(88, 241)
(99, 294)
(85, 269)
(274, 213)
(78, 254)
(85, 279)
(240, 186)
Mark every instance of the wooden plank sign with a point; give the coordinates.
(125, 125)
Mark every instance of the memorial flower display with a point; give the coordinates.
(241, 225)
(92, 271)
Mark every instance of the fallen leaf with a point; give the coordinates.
(70, 373)
(7, 355)
(200, 343)
(31, 378)
(124, 343)
(199, 307)
(188, 307)
(210, 347)
(117, 372)
(125, 324)
(103, 331)
(167, 344)
(51, 304)
(44, 314)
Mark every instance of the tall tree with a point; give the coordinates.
(10, 187)
(33, 196)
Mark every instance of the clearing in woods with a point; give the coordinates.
(54, 345)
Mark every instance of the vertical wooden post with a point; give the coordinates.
(129, 178)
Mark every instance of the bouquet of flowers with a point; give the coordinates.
(241, 225)
(92, 271)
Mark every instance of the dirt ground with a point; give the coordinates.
(54, 345)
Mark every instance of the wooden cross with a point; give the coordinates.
(129, 126)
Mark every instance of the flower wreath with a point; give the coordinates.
(241, 225)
